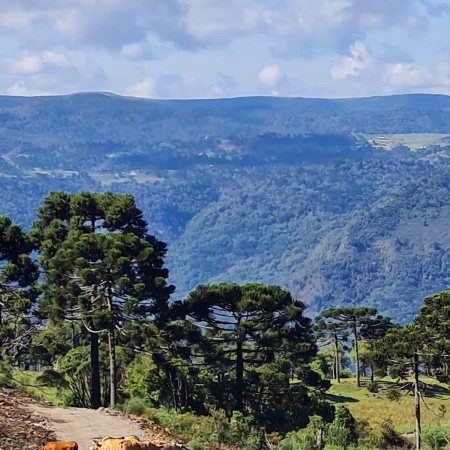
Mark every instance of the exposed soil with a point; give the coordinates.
(26, 422)
(20, 427)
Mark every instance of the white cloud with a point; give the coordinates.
(48, 72)
(139, 30)
(212, 20)
(352, 65)
(297, 27)
(369, 75)
(132, 51)
(175, 86)
(271, 76)
(55, 59)
(26, 64)
(413, 76)
(223, 86)
(32, 63)
(143, 89)
(21, 90)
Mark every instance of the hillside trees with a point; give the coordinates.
(372, 330)
(434, 323)
(351, 319)
(331, 333)
(18, 290)
(400, 352)
(421, 347)
(253, 340)
(101, 267)
(165, 370)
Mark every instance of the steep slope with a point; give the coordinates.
(389, 256)
(346, 232)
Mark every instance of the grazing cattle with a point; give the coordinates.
(133, 444)
(56, 445)
(110, 443)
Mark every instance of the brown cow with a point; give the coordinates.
(59, 445)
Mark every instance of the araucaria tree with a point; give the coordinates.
(253, 340)
(334, 334)
(18, 291)
(372, 330)
(351, 319)
(101, 267)
(400, 352)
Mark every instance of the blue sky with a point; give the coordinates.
(225, 48)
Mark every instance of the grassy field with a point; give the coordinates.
(374, 408)
(28, 382)
(413, 141)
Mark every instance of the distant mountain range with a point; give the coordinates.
(324, 197)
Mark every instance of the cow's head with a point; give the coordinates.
(95, 445)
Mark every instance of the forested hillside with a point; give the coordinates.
(281, 191)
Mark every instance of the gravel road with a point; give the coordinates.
(83, 425)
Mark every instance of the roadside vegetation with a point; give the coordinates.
(85, 299)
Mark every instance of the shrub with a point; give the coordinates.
(298, 440)
(342, 432)
(135, 406)
(347, 374)
(436, 438)
(366, 437)
(5, 373)
(373, 387)
(195, 445)
(390, 436)
(393, 394)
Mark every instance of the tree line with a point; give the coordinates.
(85, 293)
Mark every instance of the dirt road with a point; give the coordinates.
(83, 425)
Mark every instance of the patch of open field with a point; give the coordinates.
(28, 381)
(412, 141)
(374, 408)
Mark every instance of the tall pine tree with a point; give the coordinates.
(101, 267)
(18, 289)
(352, 319)
(253, 339)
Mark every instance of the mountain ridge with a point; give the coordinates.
(254, 189)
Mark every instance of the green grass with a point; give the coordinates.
(27, 381)
(374, 408)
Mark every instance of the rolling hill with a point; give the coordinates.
(291, 191)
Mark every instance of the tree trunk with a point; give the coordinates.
(95, 364)
(95, 373)
(336, 348)
(112, 353)
(358, 374)
(417, 402)
(334, 367)
(73, 333)
(112, 368)
(239, 377)
(372, 376)
(319, 441)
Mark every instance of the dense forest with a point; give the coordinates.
(241, 190)
(85, 299)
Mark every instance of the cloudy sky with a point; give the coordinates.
(225, 48)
